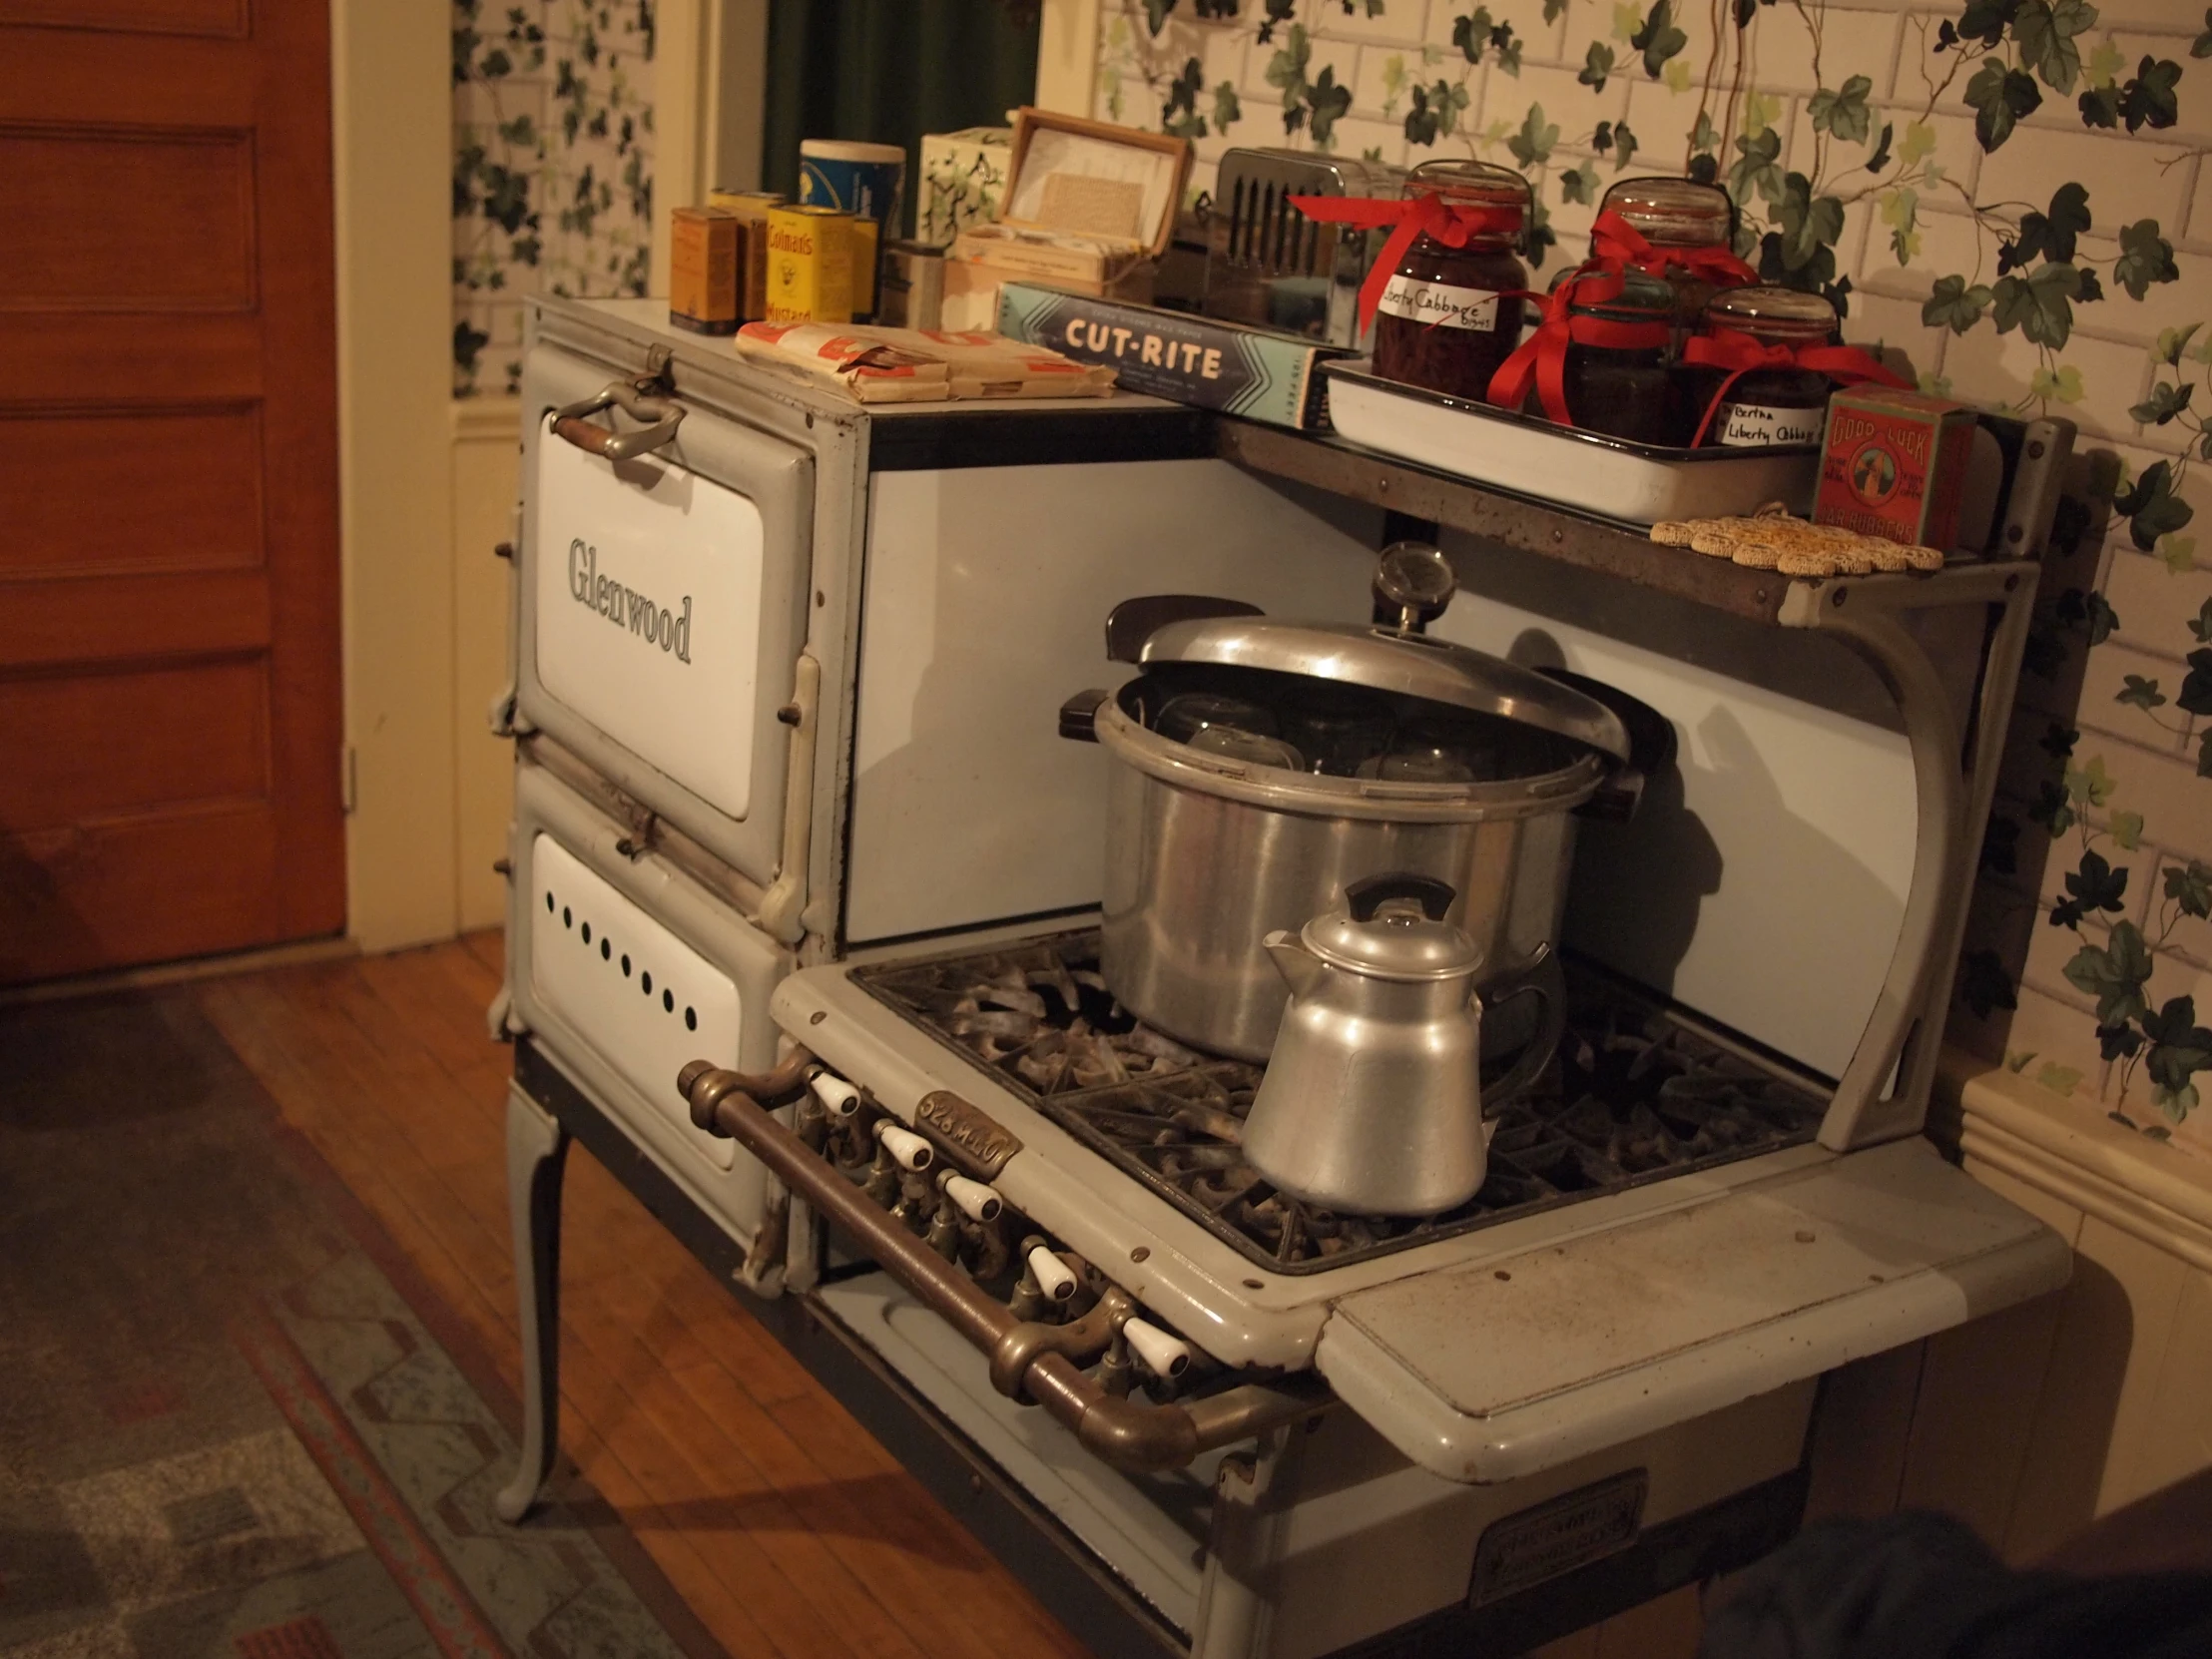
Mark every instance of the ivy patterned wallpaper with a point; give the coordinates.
(2018, 193)
(552, 167)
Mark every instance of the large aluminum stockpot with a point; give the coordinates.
(1207, 855)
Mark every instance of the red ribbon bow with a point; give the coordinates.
(1426, 215)
(1740, 353)
(1614, 242)
(1542, 359)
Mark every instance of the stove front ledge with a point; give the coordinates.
(1234, 1309)
(1505, 1369)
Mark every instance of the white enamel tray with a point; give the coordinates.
(1639, 483)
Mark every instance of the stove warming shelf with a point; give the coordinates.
(1637, 1093)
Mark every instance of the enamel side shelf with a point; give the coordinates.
(1639, 483)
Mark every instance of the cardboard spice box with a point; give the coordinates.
(1240, 371)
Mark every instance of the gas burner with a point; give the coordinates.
(1636, 1093)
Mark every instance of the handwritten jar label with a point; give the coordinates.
(1755, 426)
(1439, 303)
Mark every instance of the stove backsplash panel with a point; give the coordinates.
(1765, 884)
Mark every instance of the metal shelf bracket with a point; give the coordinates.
(1957, 749)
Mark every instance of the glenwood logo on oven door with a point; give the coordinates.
(626, 607)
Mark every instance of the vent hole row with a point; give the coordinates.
(607, 955)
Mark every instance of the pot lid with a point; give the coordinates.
(1387, 660)
(1393, 927)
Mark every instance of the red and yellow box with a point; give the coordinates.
(706, 254)
(1893, 465)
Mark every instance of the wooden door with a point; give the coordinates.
(168, 578)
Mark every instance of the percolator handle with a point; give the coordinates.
(1367, 895)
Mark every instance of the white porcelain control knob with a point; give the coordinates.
(908, 1148)
(838, 1098)
(1160, 1351)
(977, 1202)
(1055, 1277)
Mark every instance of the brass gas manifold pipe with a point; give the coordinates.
(1027, 1360)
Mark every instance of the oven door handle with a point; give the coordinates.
(662, 416)
(1136, 1438)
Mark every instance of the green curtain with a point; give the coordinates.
(888, 71)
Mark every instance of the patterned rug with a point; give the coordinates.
(224, 1431)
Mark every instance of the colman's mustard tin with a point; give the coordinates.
(809, 264)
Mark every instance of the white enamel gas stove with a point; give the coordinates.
(793, 818)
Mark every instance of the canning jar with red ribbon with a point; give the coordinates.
(1601, 359)
(1447, 310)
(1618, 373)
(1676, 228)
(1766, 365)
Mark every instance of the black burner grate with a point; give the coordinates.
(1636, 1093)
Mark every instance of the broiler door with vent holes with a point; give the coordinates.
(625, 968)
(663, 606)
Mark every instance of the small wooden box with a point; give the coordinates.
(1087, 204)
(706, 255)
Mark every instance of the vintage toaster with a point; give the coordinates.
(1270, 266)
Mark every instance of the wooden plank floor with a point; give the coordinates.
(783, 1523)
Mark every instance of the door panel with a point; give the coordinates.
(168, 624)
(111, 219)
(155, 490)
(160, 17)
(91, 745)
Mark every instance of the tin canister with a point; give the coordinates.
(809, 264)
(868, 256)
(750, 205)
(856, 177)
(1893, 465)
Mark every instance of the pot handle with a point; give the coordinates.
(1651, 746)
(1079, 716)
(1539, 1050)
(1363, 897)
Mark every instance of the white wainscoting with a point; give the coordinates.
(486, 470)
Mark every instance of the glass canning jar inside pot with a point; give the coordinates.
(1679, 218)
(1764, 405)
(1448, 316)
(1618, 374)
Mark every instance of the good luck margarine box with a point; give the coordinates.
(1188, 359)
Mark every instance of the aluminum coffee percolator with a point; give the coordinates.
(1372, 1098)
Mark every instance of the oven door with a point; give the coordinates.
(663, 607)
(1524, 1359)
(624, 968)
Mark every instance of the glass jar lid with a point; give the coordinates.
(1784, 316)
(1643, 298)
(1472, 185)
(1672, 212)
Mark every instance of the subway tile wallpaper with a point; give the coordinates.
(2016, 192)
(552, 167)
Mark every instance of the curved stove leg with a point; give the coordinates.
(537, 1151)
